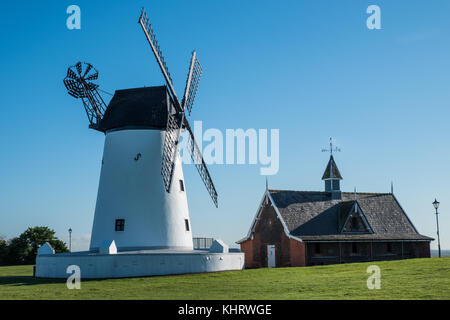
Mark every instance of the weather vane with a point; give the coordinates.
(330, 150)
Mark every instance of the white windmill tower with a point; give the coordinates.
(141, 201)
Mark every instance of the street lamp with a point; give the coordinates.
(70, 239)
(436, 206)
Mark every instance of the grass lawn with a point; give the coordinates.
(403, 279)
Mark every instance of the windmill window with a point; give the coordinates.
(120, 224)
(181, 185)
(186, 223)
(354, 248)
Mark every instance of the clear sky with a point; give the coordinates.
(311, 69)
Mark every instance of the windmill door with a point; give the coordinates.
(271, 256)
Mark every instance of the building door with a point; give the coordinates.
(271, 256)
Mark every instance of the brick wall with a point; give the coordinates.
(297, 253)
(247, 248)
(269, 231)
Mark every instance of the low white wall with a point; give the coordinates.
(134, 265)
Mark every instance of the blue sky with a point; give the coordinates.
(308, 68)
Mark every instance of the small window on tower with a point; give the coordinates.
(181, 185)
(336, 185)
(186, 223)
(120, 224)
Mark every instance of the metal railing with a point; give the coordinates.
(202, 243)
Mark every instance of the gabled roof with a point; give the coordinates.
(311, 215)
(351, 210)
(139, 107)
(331, 171)
(344, 210)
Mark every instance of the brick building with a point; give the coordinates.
(302, 228)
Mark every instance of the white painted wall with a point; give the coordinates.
(136, 265)
(134, 191)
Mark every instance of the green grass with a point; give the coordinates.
(403, 279)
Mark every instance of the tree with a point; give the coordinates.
(23, 249)
(18, 250)
(3, 251)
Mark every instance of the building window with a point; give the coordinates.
(186, 223)
(335, 184)
(181, 185)
(317, 248)
(389, 247)
(120, 224)
(354, 248)
(354, 223)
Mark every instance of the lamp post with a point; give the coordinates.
(70, 239)
(436, 206)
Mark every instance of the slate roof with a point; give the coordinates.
(139, 107)
(332, 173)
(311, 215)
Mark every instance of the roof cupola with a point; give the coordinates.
(332, 176)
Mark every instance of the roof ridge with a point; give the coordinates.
(312, 191)
(371, 193)
(284, 190)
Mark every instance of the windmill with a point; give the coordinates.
(138, 204)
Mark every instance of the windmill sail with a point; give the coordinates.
(151, 38)
(200, 164)
(175, 121)
(170, 150)
(193, 78)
